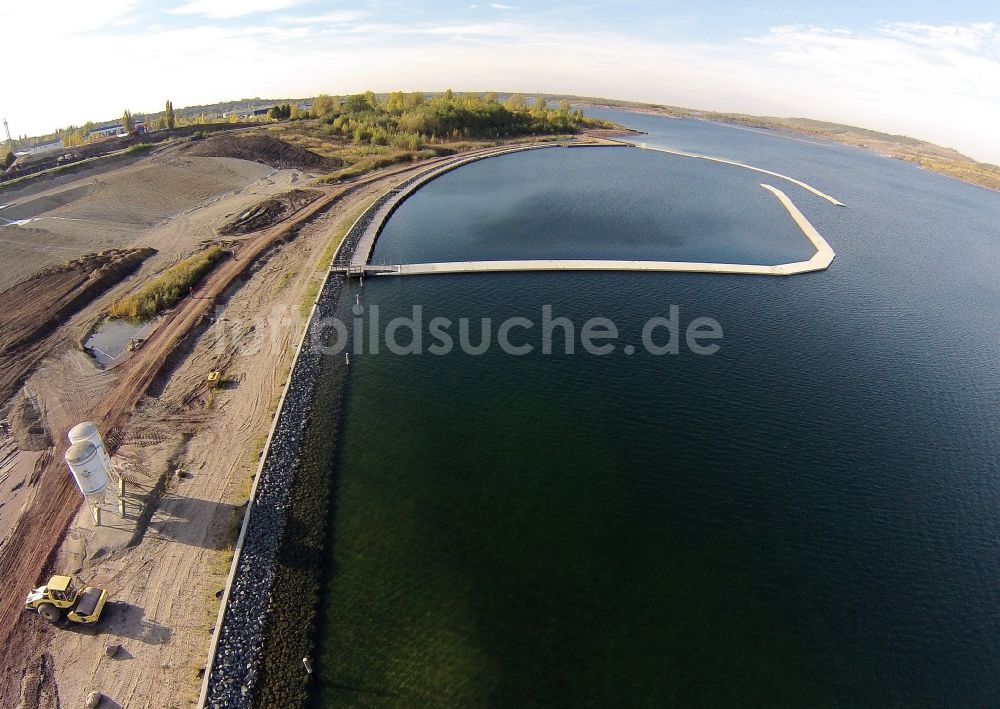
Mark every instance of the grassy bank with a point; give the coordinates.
(168, 288)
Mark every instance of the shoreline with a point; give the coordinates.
(172, 433)
(790, 131)
(239, 650)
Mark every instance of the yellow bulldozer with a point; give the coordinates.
(65, 592)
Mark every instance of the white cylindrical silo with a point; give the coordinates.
(87, 431)
(87, 467)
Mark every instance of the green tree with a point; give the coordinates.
(168, 115)
(564, 107)
(514, 102)
(128, 123)
(8, 159)
(357, 103)
(413, 100)
(322, 105)
(395, 102)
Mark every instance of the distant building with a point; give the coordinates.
(117, 130)
(40, 148)
(243, 115)
(107, 131)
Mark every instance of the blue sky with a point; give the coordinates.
(928, 69)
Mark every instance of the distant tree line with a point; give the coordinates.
(408, 120)
(403, 120)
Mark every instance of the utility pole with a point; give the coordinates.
(10, 143)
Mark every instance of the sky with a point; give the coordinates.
(930, 70)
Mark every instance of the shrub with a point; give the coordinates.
(165, 290)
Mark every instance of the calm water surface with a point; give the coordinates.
(578, 203)
(811, 516)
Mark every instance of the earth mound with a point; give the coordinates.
(260, 148)
(26, 426)
(270, 211)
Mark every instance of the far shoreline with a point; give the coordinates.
(926, 156)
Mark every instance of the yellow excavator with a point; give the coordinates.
(62, 592)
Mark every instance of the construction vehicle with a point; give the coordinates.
(64, 592)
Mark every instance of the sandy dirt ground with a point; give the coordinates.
(170, 580)
(168, 200)
(177, 220)
(165, 585)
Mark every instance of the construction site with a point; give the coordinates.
(180, 403)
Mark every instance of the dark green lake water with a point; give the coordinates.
(807, 517)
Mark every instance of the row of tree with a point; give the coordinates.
(400, 119)
(409, 118)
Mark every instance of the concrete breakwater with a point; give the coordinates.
(819, 261)
(363, 252)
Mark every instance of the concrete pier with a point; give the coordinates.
(360, 265)
(819, 261)
(800, 183)
(364, 251)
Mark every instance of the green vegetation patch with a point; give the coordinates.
(168, 288)
(367, 132)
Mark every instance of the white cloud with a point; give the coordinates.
(940, 83)
(57, 18)
(501, 6)
(329, 18)
(936, 82)
(491, 31)
(225, 9)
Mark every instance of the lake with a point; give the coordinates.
(808, 516)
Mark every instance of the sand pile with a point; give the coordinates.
(259, 148)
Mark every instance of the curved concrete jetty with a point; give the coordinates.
(360, 266)
(364, 250)
(820, 260)
(800, 183)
